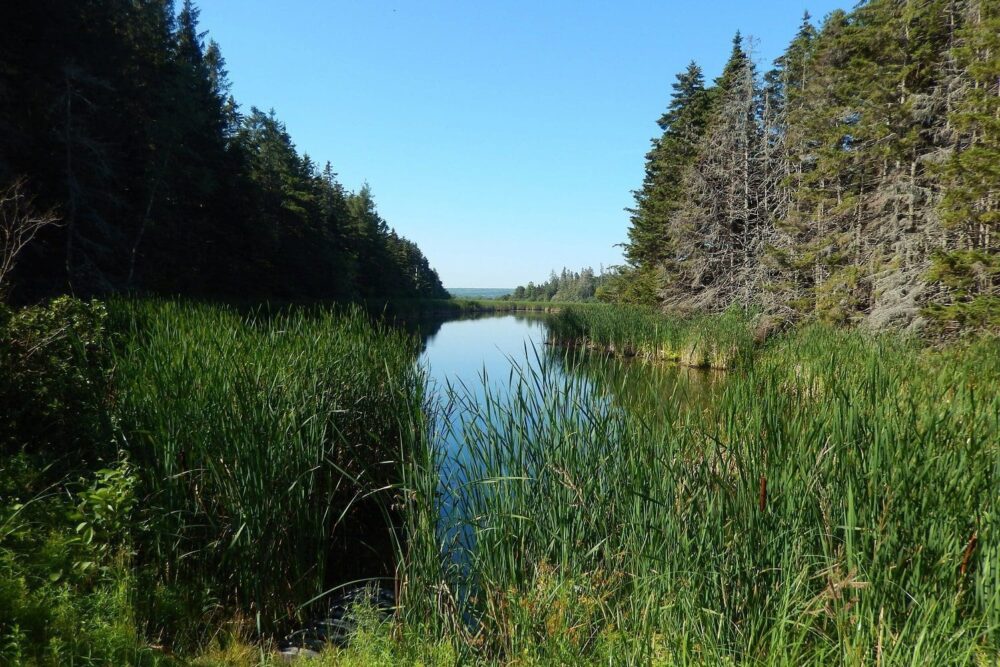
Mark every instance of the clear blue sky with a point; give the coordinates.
(503, 137)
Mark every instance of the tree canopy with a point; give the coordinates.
(856, 181)
(117, 116)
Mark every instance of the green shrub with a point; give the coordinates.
(54, 384)
(66, 582)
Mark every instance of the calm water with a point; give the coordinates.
(461, 353)
(467, 355)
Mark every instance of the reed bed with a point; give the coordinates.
(836, 503)
(261, 440)
(699, 341)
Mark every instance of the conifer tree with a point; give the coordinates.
(650, 244)
(719, 227)
(856, 182)
(967, 269)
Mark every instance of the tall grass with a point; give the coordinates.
(836, 504)
(700, 341)
(832, 500)
(261, 440)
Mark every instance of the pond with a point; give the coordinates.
(473, 366)
(467, 353)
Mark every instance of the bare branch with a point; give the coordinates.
(20, 222)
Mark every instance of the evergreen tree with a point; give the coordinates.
(682, 125)
(119, 115)
(855, 182)
(565, 286)
(967, 269)
(790, 157)
(719, 227)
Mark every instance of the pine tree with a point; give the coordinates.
(121, 117)
(856, 183)
(719, 228)
(859, 217)
(788, 158)
(682, 126)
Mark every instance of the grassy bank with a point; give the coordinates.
(173, 467)
(705, 341)
(182, 476)
(837, 504)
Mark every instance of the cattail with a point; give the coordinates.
(969, 549)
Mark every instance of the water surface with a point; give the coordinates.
(473, 356)
(462, 353)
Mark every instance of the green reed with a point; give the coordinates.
(836, 503)
(261, 438)
(701, 341)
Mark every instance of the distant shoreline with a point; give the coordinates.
(479, 292)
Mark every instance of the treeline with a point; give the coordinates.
(117, 116)
(583, 285)
(856, 181)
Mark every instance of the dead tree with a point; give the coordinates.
(20, 222)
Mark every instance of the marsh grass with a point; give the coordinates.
(699, 341)
(836, 504)
(833, 499)
(268, 445)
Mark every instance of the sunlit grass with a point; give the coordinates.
(836, 504)
(719, 341)
(831, 499)
(259, 438)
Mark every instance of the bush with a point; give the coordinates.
(54, 384)
(66, 586)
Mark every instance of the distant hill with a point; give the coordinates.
(479, 292)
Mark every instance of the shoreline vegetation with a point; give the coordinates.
(171, 467)
(835, 504)
(199, 472)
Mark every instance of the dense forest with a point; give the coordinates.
(856, 181)
(118, 127)
(583, 285)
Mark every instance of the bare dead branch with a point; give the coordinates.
(20, 222)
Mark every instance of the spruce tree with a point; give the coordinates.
(967, 268)
(650, 245)
(719, 227)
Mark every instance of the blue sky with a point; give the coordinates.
(503, 137)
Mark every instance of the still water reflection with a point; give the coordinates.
(473, 356)
(461, 353)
